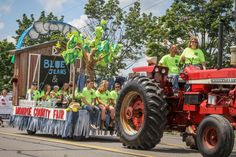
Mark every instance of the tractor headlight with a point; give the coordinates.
(163, 71)
(156, 69)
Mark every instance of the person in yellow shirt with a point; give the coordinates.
(171, 61)
(193, 55)
(88, 102)
(55, 94)
(33, 93)
(45, 94)
(115, 93)
(103, 99)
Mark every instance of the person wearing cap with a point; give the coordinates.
(33, 93)
(88, 102)
(171, 61)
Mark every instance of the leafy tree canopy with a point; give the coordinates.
(5, 64)
(196, 17)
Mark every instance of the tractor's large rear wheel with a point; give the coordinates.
(141, 114)
(215, 137)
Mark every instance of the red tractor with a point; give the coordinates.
(204, 110)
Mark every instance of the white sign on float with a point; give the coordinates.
(5, 111)
(42, 112)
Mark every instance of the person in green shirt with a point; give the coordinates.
(193, 55)
(64, 94)
(88, 102)
(55, 94)
(103, 99)
(33, 93)
(45, 94)
(171, 61)
(114, 94)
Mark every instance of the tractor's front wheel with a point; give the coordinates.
(141, 114)
(215, 137)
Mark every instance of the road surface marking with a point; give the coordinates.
(76, 144)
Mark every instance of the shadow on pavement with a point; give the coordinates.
(174, 150)
(233, 154)
(171, 150)
(102, 139)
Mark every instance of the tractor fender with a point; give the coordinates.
(144, 69)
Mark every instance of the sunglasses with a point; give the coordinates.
(117, 87)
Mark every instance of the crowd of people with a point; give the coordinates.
(95, 101)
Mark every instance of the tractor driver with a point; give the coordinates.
(171, 61)
(193, 55)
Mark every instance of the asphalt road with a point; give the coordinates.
(14, 143)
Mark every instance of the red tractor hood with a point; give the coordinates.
(212, 76)
(212, 73)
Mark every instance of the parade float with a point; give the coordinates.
(44, 65)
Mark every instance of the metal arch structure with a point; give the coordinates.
(41, 28)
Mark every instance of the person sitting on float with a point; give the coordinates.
(171, 61)
(55, 94)
(193, 55)
(64, 94)
(103, 99)
(33, 93)
(115, 93)
(45, 94)
(88, 102)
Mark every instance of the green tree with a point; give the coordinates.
(196, 17)
(5, 64)
(26, 22)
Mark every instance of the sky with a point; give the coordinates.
(73, 11)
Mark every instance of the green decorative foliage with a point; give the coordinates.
(78, 46)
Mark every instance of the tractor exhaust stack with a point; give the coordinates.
(220, 45)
